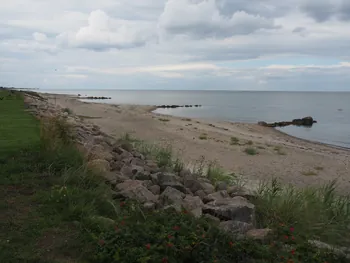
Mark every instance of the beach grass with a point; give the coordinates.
(316, 213)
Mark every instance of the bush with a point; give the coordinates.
(251, 151)
(234, 141)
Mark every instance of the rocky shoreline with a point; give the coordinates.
(131, 175)
(134, 176)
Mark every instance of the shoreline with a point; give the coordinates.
(151, 108)
(289, 159)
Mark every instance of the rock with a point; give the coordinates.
(201, 194)
(215, 196)
(188, 192)
(99, 139)
(155, 189)
(220, 186)
(149, 206)
(99, 152)
(142, 176)
(340, 251)
(126, 156)
(127, 171)
(259, 234)
(135, 169)
(171, 196)
(116, 165)
(173, 208)
(137, 192)
(110, 178)
(129, 184)
(192, 202)
(154, 178)
(237, 228)
(151, 166)
(99, 165)
(168, 179)
(237, 209)
(234, 191)
(212, 218)
(197, 213)
(121, 178)
(138, 162)
(196, 185)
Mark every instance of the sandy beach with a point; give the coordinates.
(291, 160)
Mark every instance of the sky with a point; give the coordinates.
(176, 44)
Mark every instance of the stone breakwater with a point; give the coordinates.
(131, 175)
(307, 122)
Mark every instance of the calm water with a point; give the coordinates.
(331, 110)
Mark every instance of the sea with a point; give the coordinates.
(330, 109)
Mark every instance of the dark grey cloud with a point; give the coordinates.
(266, 8)
(323, 10)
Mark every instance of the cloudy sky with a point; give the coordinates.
(176, 44)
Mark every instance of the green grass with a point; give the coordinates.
(163, 119)
(319, 168)
(203, 136)
(309, 173)
(251, 151)
(315, 213)
(54, 210)
(68, 110)
(215, 173)
(234, 140)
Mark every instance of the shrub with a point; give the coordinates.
(234, 141)
(251, 151)
(249, 142)
(203, 136)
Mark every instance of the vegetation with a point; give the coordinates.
(234, 141)
(309, 173)
(251, 151)
(319, 168)
(163, 119)
(249, 142)
(278, 150)
(53, 209)
(203, 136)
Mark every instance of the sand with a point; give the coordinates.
(291, 160)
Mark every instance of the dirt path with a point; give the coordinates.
(290, 159)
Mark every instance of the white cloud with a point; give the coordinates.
(103, 32)
(203, 19)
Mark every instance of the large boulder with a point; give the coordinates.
(197, 184)
(171, 196)
(249, 194)
(99, 165)
(192, 202)
(215, 196)
(135, 190)
(237, 209)
(100, 152)
(170, 180)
